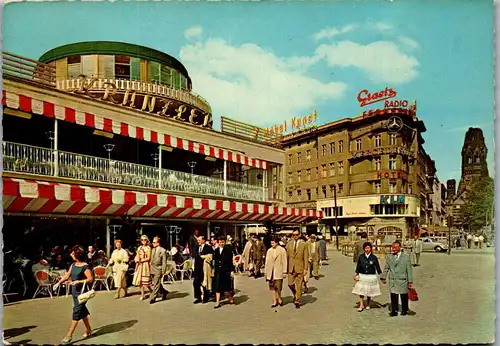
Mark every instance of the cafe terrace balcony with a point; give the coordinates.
(22, 158)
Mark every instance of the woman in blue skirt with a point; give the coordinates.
(80, 275)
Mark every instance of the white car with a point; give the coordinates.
(432, 244)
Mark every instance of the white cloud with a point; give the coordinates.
(193, 32)
(383, 61)
(381, 26)
(332, 31)
(409, 43)
(251, 84)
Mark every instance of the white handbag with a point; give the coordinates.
(84, 297)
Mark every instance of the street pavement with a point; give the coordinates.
(456, 306)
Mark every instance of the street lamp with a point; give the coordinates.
(50, 136)
(172, 230)
(155, 157)
(109, 148)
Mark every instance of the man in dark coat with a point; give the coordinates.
(257, 254)
(201, 250)
(193, 243)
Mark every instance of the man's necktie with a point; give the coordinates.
(295, 247)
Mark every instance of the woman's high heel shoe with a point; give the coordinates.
(66, 341)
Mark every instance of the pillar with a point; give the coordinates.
(264, 184)
(56, 145)
(208, 230)
(225, 178)
(159, 166)
(108, 239)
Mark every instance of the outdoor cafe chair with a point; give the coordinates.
(101, 275)
(186, 268)
(44, 281)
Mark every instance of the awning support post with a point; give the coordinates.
(225, 178)
(56, 145)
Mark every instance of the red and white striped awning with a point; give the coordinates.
(100, 122)
(26, 196)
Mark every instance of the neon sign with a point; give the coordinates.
(365, 98)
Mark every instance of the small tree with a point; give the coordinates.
(478, 203)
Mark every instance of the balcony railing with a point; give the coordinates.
(21, 67)
(99, 84)
(36, 160)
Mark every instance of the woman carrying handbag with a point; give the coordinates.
(81, 277)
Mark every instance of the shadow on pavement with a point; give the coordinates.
(13, 332)
(311, 290)
(400, 308)
(22, 342)
(240, 299)
(308, 300)
(114, 328)
(374, 305)
(176, 295)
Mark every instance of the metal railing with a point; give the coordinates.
(100, 84)
(43, 161)
(21, 67)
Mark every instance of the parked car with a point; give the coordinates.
(432, 244)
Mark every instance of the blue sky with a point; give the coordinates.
(266, 62)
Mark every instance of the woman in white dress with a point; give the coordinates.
(367, 284)
(119, 261)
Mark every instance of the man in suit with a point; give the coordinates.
(193, 243)
(416, 249)
(398, 267)
(198, 275)
(257, 254)
(158, 268)
(313, 257)
(298, 261)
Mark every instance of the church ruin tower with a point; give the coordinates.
(474, 154)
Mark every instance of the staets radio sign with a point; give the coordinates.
(387, 95)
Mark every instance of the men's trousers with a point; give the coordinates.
(157, 286)
(417, 258)
(394, 302)
(314, 268)
(295, 284)
(258, 266)
(199, 289)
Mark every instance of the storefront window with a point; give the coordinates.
(176, 79)
(122, 67)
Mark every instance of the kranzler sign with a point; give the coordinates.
(295, 123)
(174, 108)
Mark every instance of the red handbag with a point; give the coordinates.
(412, 295)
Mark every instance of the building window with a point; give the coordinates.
(323, 189)
(377, 163)
(290, 194)
(469, 159)
(122, 67)
(341, 167)
(316, 192)
(410, 188)
(332, 148)
(323, 171)
(299, 176)
(410, 168)
(405, 164)
(308, 192)
(327, 212)
(378, 140)
(332, 188)
(392, 162)
(341, 188)
(378, 185)
(299, 157)
(351, 169)
(290, 178)
(478, 160)
(392, 139)
(341, 146)
(358, 144)
(392, 187)
(339, 211)
(308, 175)
(332, 169)
(323, 150)
(317, 172)
(290, 159)
(299, 195)
(308, 155)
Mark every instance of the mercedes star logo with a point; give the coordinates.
(395, 124)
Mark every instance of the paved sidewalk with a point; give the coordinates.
(456, 306)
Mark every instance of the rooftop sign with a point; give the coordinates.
(295, 123)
